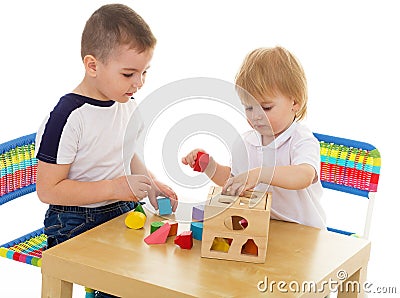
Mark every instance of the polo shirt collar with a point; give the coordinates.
(254, 137)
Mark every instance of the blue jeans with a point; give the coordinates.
(64, 222)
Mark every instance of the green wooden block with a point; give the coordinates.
(155, 226)
(139, 208)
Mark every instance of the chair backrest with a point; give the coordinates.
(352, 167)
(18, 167)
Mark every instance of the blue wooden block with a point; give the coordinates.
(197, 230)
(164, 206)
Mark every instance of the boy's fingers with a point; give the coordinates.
(241, 189)
(227, 186)
(233, 189)
(153, 200)
(174, 204)
(140, 194)
(146, 180)
(146, 187)
(141, 179)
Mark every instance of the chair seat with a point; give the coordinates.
(26, 249)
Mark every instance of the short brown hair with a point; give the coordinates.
(112, 25)
(268, 72)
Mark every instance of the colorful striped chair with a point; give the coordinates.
(18, 178)
(351, 167)
(18, 167)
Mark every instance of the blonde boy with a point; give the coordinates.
(281, 155)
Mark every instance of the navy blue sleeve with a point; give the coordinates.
(54, 128)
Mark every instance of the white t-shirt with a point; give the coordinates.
(91, 136)
(297, 145)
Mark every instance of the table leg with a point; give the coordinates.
(353, 286)
(55, 288)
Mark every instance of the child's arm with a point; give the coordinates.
(54, 187)
(219, 174)
(157, 188)
(289, 177)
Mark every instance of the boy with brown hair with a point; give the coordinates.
(88, 171)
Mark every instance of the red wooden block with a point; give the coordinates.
(159, 236)
(201, 162)
(184, 240)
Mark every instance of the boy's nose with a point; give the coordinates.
(138, 81)
(257, 113)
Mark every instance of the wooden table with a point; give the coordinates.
(115, 259)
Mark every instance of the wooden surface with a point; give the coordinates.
(115, 259)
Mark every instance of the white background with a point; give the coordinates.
(349, 50)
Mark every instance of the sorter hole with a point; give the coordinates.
(250, 248)
(236, 223)
(221, 244)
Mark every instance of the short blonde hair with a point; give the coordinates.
(268, 72)
(113, 25)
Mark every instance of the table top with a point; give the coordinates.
(115, 258)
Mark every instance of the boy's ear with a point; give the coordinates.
(90, 63)
(296, 106)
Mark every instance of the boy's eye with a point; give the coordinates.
(267, 108)
(248, 108)
(128, 75)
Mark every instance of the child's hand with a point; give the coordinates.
(190, 159)
(242, 182)
(131, 187)
(157, 189)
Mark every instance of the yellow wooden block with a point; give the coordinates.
(220, 244)
(135, 220)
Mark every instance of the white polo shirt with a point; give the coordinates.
(297, 145)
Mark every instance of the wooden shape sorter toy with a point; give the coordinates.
(239, 225)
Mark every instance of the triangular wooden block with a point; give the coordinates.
(159, 236)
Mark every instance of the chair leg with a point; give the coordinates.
(367, 227)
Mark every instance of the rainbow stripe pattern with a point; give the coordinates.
(18, 167)
(349, 166)
(27, 249)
